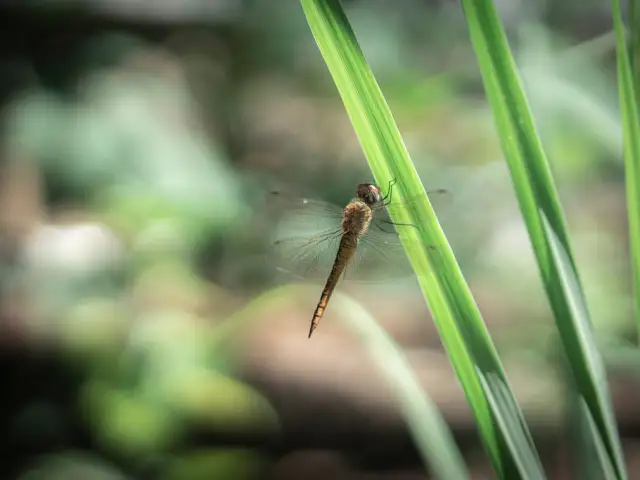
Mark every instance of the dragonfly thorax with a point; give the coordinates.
(356, 219)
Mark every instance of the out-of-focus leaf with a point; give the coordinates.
(430, 432)
(629, 105)
(540, 207)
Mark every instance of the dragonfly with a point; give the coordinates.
(351, 241)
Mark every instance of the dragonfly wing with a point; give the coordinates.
(380, 257)
(306, 238)
(440, 199)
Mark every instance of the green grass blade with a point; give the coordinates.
(507, 415)
(457, 317)
(542, 213)
(628, 85)
(598, 464)
(570, 287)
(634, 44)
(431, 434)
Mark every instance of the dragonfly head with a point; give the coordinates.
(369, 193)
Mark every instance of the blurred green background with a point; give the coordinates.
(137, 144)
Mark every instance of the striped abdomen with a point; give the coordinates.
(348, 245)
(356, 220)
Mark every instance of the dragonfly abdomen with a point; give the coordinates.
(348, 246)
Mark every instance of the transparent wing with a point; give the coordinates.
(439, 199)
(380, 257)
(307, 236)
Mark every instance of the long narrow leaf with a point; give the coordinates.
(431, 434)
(457, 317)
(634, 44)
(542, 213)
(628, 84)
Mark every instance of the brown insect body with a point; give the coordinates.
(355, 223)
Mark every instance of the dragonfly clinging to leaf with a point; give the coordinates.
(319, 239)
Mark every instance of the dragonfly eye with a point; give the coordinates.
(369, 193)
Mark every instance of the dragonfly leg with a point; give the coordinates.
(389, 222)
(381, 229)
(399, 224)
(386, 200)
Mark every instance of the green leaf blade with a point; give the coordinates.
(458, 319)
(542, 212)
(434, 441)
(627, 86)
